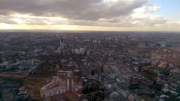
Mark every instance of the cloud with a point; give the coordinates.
(127, 21)
(71, 9)
(7, 20)
(120, 13)
(147, 9)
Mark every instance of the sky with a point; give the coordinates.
(91, 15)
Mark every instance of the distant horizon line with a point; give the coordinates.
(42, 30)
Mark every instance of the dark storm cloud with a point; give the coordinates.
(70, 9)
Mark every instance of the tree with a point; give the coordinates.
(0, 95)
(152, 95)
(21, 83)
(102, 69)
(158, 87)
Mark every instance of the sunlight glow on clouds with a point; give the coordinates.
(83, 15)
(6, 26)
(19, 21)
(110, 1)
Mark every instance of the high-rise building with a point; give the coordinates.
(61, 43)
(82, 51)
(75, 44)
(62, 46)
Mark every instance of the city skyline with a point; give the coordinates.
(90, 15)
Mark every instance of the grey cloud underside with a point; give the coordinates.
(7, 21)
(71, 9)
(114, 22)
(77, 12)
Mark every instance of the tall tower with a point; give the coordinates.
(62, 46)
(75, 44)
(69, 80)
(61, 43)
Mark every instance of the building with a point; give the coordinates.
(26, 63)
(141, 45)
(77, 51)
(62, 46)
(82, 51)
(60, 84)
(5, 65)
(163, 44)
(105, 68)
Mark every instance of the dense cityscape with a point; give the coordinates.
(89, 66)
